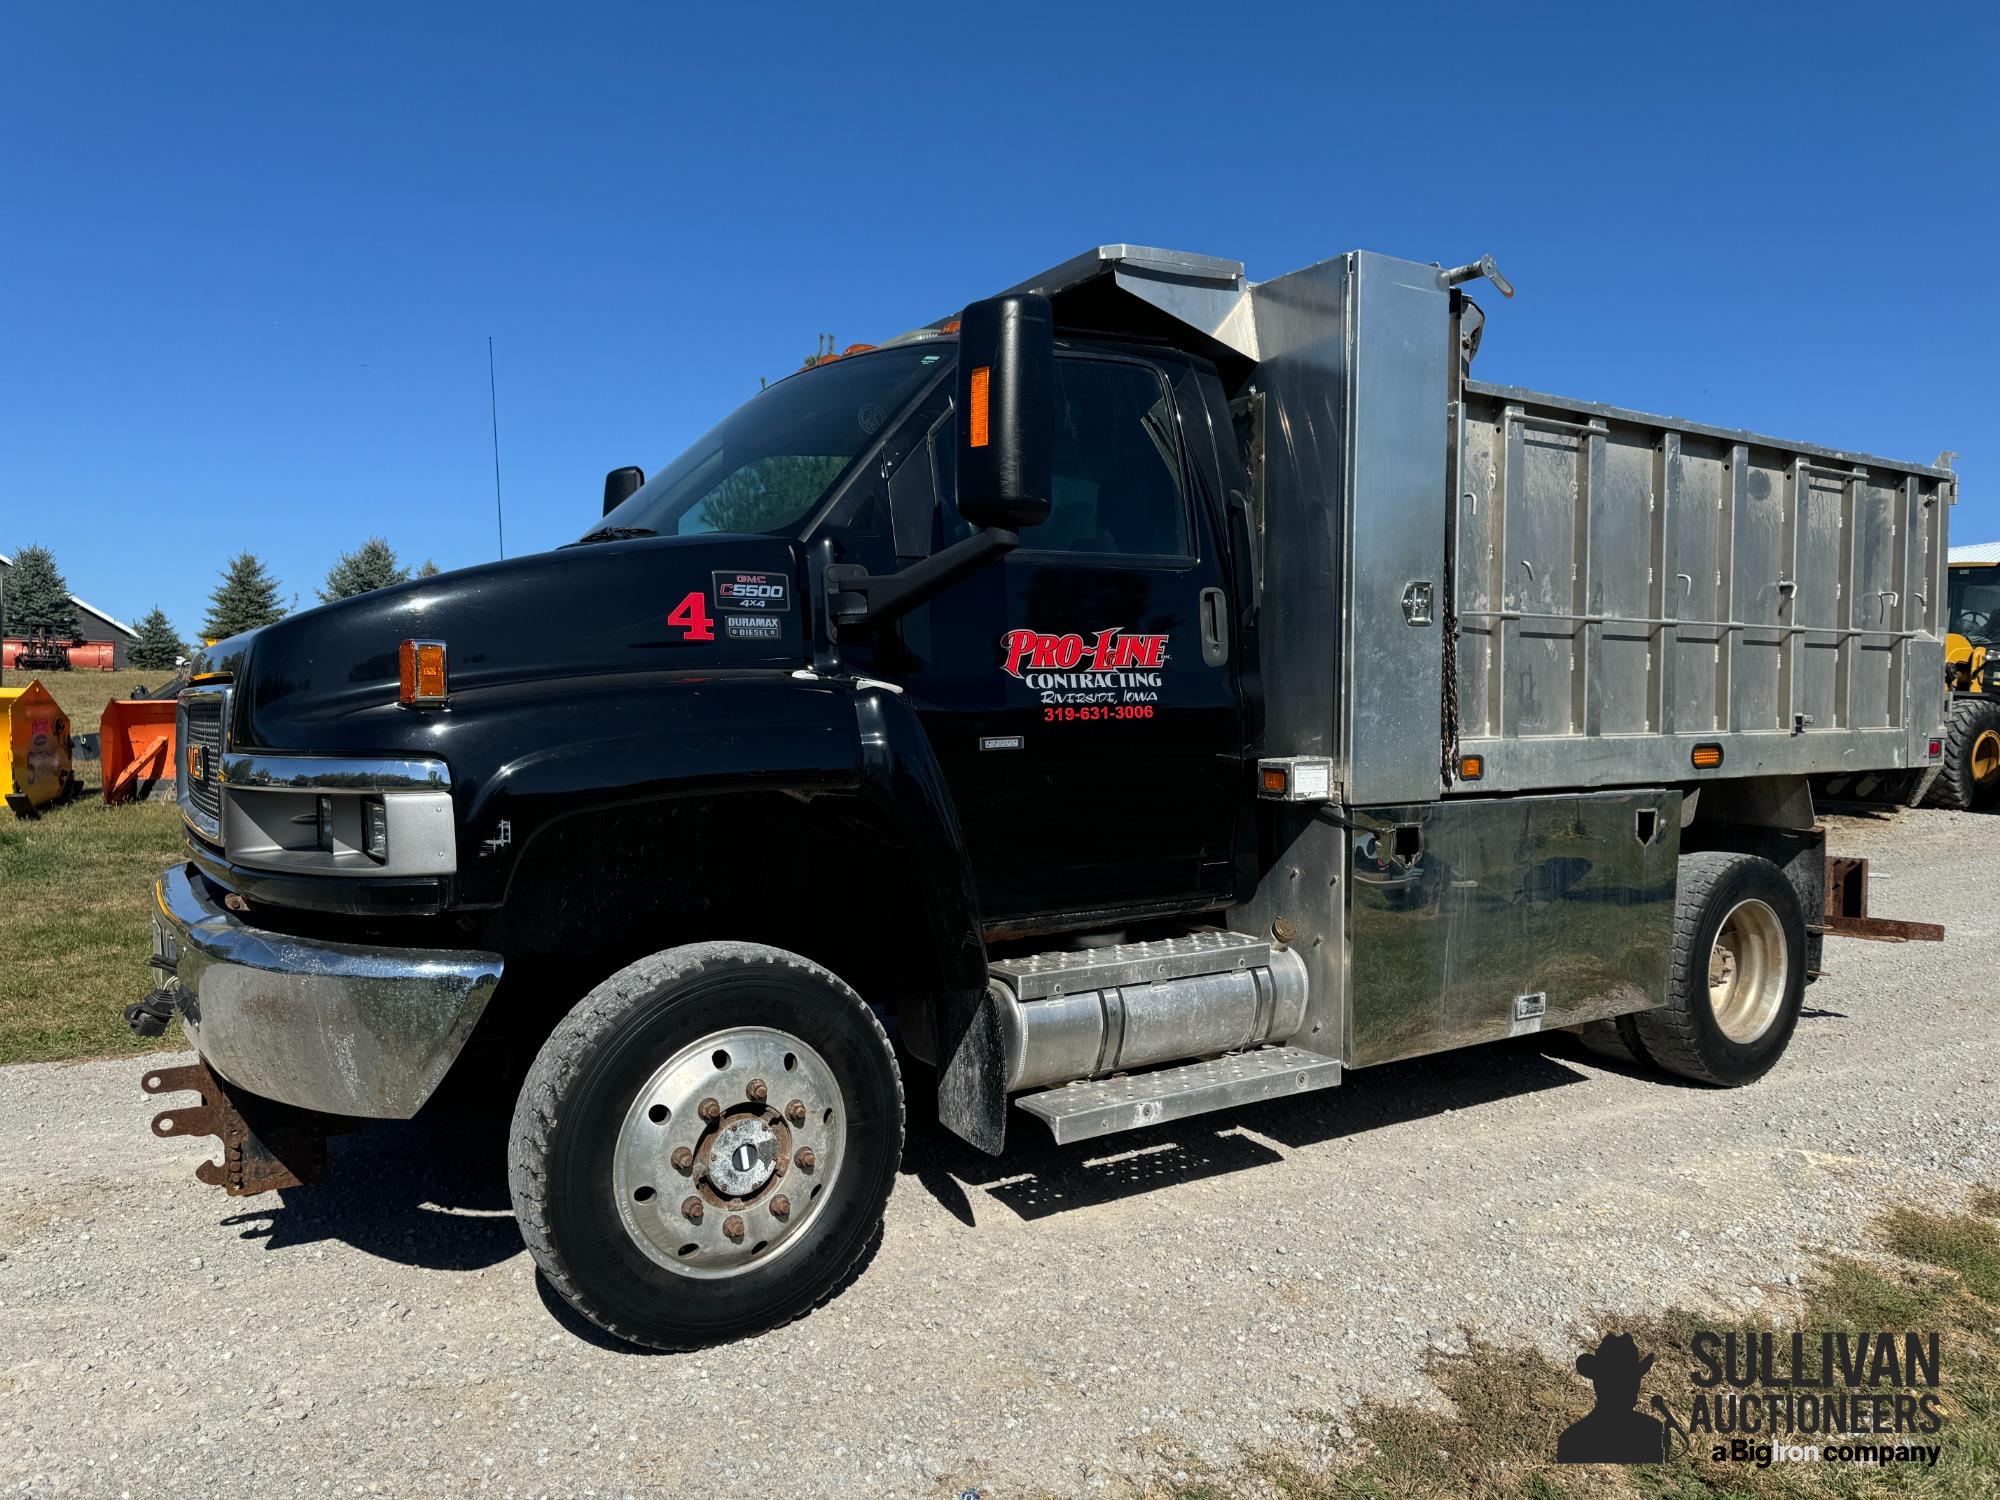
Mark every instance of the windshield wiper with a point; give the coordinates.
(614, 534)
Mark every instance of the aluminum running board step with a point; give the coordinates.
(1104, 1106)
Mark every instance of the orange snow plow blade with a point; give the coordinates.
(136, 739)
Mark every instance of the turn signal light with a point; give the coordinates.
(982, 385)
(1471, 767)
(1275, 781)
(420, 665)
(1706, 757)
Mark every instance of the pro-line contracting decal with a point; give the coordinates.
(1115, 672)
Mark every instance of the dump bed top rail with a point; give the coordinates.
(1703, 429)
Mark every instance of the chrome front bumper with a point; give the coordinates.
(335, 1027)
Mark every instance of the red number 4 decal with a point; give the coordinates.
(691, 614)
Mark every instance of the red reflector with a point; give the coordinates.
(1937, 748)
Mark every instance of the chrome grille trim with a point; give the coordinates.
(201, 721)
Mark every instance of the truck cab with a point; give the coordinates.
(1146, 692)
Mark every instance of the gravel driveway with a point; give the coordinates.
(1051, 1320)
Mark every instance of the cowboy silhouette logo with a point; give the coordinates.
(1613, 1432)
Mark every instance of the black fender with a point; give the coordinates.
(602, 745)
(960, 1030)
(523, 760)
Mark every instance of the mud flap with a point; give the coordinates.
(972, 1085)
(265, 1145)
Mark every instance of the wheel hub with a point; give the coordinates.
(1748, 971)
(1986, 756)
(743, 1158)
(726, 1152)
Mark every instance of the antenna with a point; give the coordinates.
(493, 401)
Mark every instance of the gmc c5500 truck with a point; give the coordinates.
(1148, 692)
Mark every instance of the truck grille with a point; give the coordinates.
(199, 773)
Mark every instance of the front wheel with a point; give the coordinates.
(1969, 771)
(1739, 972)
(704, 1147)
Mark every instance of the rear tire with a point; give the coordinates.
(1617, 1039)
(1738, 973)
(1969, 770)
(742, 1082)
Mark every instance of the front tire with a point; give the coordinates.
(705, 1146)
(1969, 771)
(1739, 972)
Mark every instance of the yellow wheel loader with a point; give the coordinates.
(1969, 770)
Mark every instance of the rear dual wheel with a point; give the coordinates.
(1736, 981)
(704, 1147)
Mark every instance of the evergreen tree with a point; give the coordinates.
(769, 492)
(429, 569)
(37, 595)
(372, 565)
(246, 598)
(159, 644)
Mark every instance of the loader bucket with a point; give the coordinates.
(36, 771)
(136, 739)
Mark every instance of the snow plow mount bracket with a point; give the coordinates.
(265, 1145)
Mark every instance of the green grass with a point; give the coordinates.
(1505, 1406)
(76, 891)
(84, 694)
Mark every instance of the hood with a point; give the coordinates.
(656, 604)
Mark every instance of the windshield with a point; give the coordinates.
(1975, 604)
(768, 464)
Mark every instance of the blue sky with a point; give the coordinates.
(251, 254)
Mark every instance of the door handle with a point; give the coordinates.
(1214, 627)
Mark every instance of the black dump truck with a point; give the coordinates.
(1147, 692)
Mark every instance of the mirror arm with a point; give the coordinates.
(857, 597)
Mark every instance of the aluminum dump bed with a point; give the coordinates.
(1628, 587)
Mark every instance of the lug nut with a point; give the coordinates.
(803, 1158)
(692, 1208)
(709, 1110)
(683, 1159)
(757, 1091)
(796, 1111)
(733, 1226)
(780, 1206)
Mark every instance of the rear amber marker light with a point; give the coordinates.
(420, 667)
(1274, 781)
(1471, 767)
(982, 385)
(1706, 757)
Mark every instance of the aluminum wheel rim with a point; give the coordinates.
(1748, 971)
(713, 1180)
(1986, 756)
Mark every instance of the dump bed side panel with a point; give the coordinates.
(1627, 587)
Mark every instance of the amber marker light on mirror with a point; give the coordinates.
(982, 385)
(1274, 781)
(420, 666)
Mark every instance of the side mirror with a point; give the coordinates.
(621, 485)
(1006, 410)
